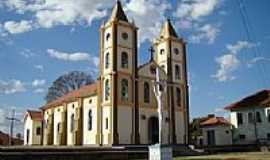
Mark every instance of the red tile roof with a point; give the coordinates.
(260, 98)
(35, 115)
(81, 92)
(215, 121)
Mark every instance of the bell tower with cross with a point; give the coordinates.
(118, 61)
(170, 55)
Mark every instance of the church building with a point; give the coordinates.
(120, 107)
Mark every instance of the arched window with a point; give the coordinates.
(125, 36)
(108, 35)
(124, 60)
(176, 51)
(163, 67)
(124, 89)
(177, 72)
(146, 92)
(58, 128)
(90, 120)
(107, 60)
(162, 51)
(107, 90)
(178, 96)
(38, 131)
(72, 122)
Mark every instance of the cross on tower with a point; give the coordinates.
(151, 50)
(12, 119)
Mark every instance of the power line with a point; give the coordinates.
(252, 38)
(12, 119)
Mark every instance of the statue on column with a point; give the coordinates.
(159, 89)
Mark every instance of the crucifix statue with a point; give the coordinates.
(158, 90)
(12, 119)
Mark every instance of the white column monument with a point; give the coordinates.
(159, 151)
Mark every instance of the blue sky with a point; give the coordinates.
(40, 40)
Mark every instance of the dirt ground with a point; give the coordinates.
(231, 156)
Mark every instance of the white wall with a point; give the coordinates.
(71, 109)
(223, 135)
(124, 124)
(58, 118)
(106, 134)
(89, 136)
(32, 125)
(180, 127)
(248, 129)
(143, 124)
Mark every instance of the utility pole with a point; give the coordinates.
(12, 119)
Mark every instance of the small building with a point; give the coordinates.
(251, 118)
(32, 128)
(5, 138)
(216, 131)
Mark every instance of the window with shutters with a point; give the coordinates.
(90, 118)
(146, 92)
(124, 89)
(124, 60)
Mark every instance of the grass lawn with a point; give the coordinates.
(231, 156)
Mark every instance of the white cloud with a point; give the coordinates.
(18, 27)
(207, 32)
(195, 10)
(27, 53)
(39, 67)
(49, 13)
(38, 82)
(229, 62)
(2, 31)
(148, 15)
(191, 15)
(257, 60)
(39, 90)
(12, 86)
(77, 56)
(235, 48)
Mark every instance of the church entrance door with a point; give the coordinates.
(153, 130)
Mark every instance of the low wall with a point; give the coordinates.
(70, 153)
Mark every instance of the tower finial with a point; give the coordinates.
(168, 30)
(151, 50)
(118, 12)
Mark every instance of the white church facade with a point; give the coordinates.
(120, 107)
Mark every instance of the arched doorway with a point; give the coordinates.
(153, 130)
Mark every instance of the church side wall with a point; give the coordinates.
(106, 125)
(124, 124)
(58, 123)
(71, 109)
(180, 127)
(90, 135)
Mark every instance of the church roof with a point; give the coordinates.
(258, 99)
(34, 115)
(84, 91)
(168, 30)
(215, 121)
(118, 13)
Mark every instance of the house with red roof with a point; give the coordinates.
(33, 127)
(250, 117)
(216, 131)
